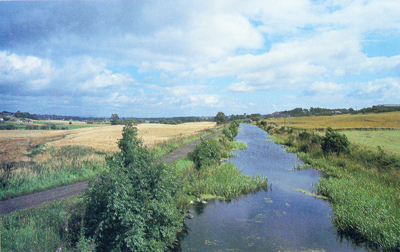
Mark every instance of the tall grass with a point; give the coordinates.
(55, 226)
(363, 187)
(67, 165)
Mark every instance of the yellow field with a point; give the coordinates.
(367, 121)
(14, 144)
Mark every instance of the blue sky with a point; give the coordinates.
(196, 58)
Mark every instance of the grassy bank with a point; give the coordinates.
(58, 225)
(362, 185)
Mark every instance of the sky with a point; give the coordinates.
(158, 58)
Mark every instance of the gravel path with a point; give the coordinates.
(27, 201)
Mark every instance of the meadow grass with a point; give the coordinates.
(363, 187)
(388, 140)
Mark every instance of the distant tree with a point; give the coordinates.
(70, 123)
(115, 120)
(220, 118)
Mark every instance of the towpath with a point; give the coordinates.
(27, 201)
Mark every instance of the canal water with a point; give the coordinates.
(279, 219)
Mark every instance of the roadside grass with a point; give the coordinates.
(66, 165)
(363, 187)
(49, 227)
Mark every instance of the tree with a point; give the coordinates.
(133, 206)
(115, 120)
(220, 118)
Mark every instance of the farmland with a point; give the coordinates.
(37, 160)
(389, 120)
(388, 140)
(16, 145)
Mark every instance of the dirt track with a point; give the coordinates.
(27, 201)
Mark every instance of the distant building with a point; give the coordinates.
(1, 120)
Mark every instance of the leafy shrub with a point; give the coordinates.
(31, 127)
(133, 205)
(335, 142)
(44, 127)
(206, 153)
(234, 128)
(228, 134)
(10, 127)
(269, 128)
(304, 136)
(53, 127)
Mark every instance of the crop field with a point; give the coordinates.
(15, 145)
(389, 120)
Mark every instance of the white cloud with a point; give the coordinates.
(323, 88)
(385, 90)
(29, 75)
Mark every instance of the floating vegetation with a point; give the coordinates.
(268, 200)
(311, 194)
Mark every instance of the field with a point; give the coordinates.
(16, 145)
(388, 140)
(365, 121)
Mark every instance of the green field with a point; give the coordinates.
(388, 140)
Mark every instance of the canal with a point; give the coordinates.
(279, 219)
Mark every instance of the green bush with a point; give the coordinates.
(335, 142)
(10, 127)
(228, 134)
(206, 153)
(133, 204)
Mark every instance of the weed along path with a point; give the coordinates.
(27, 201)
(283, 218)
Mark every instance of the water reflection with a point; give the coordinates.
(280, 219)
